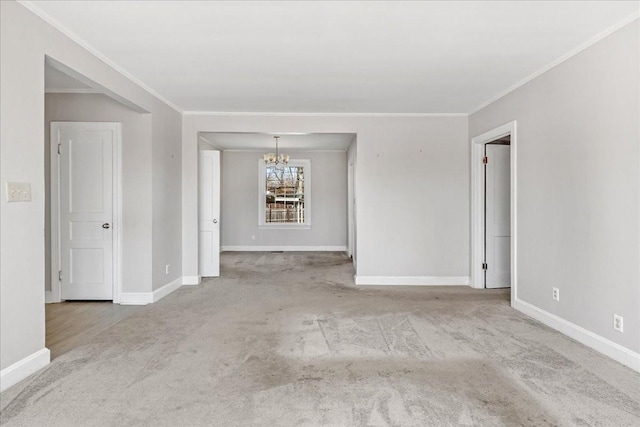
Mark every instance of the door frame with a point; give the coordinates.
(477, 204)
(55, 203)
(352, 223)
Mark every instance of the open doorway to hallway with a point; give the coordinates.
(494, 209)
(85, 130)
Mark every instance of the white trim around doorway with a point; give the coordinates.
(477, 211)
(55, 294)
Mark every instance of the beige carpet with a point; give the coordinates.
(287, 340)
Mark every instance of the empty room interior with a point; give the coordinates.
(341, 213)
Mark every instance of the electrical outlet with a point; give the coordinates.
(166, 269)
(18, 192)
(556, 294)
(618, 324)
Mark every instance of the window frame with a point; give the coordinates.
(262, 196)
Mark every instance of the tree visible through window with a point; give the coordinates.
(284, 199)
(284, 194)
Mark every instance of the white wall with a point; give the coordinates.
(239, 220)
(412, 183)
(136, 178)
(579, 185)
(167, 188)
(24, 41)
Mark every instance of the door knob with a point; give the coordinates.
(215, 221)
(106, 225)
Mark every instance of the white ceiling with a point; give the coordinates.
(339, 57)
(266, 142)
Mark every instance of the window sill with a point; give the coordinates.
(284, 226)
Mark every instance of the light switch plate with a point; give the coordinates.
(18, 192)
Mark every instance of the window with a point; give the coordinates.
(285, 195)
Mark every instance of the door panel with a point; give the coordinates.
(87, 188)
(86, 230)
(209, 213)
(87, 265)
(498, 216)
(86, 210)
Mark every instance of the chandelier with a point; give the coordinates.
(276, 159)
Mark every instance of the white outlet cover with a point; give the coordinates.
(556, 294)
(18, 192)
(618, 323)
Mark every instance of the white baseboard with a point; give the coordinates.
(191, 280)
(600, 344)
(136, 298)
(167, 289)
(284, 248)
(20, 370)
(144, 298)
(413, 280)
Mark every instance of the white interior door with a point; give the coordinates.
(209, 213)
(350, 236)
(498, 216)
(85, 209)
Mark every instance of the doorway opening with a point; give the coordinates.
(497, 218)
(493, 209)
(263, 206)
(352, 152)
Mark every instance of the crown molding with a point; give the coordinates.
(297, 150)
(84, 44)
(595, 39)
(283, 114)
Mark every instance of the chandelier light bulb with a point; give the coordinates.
(276, 158)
